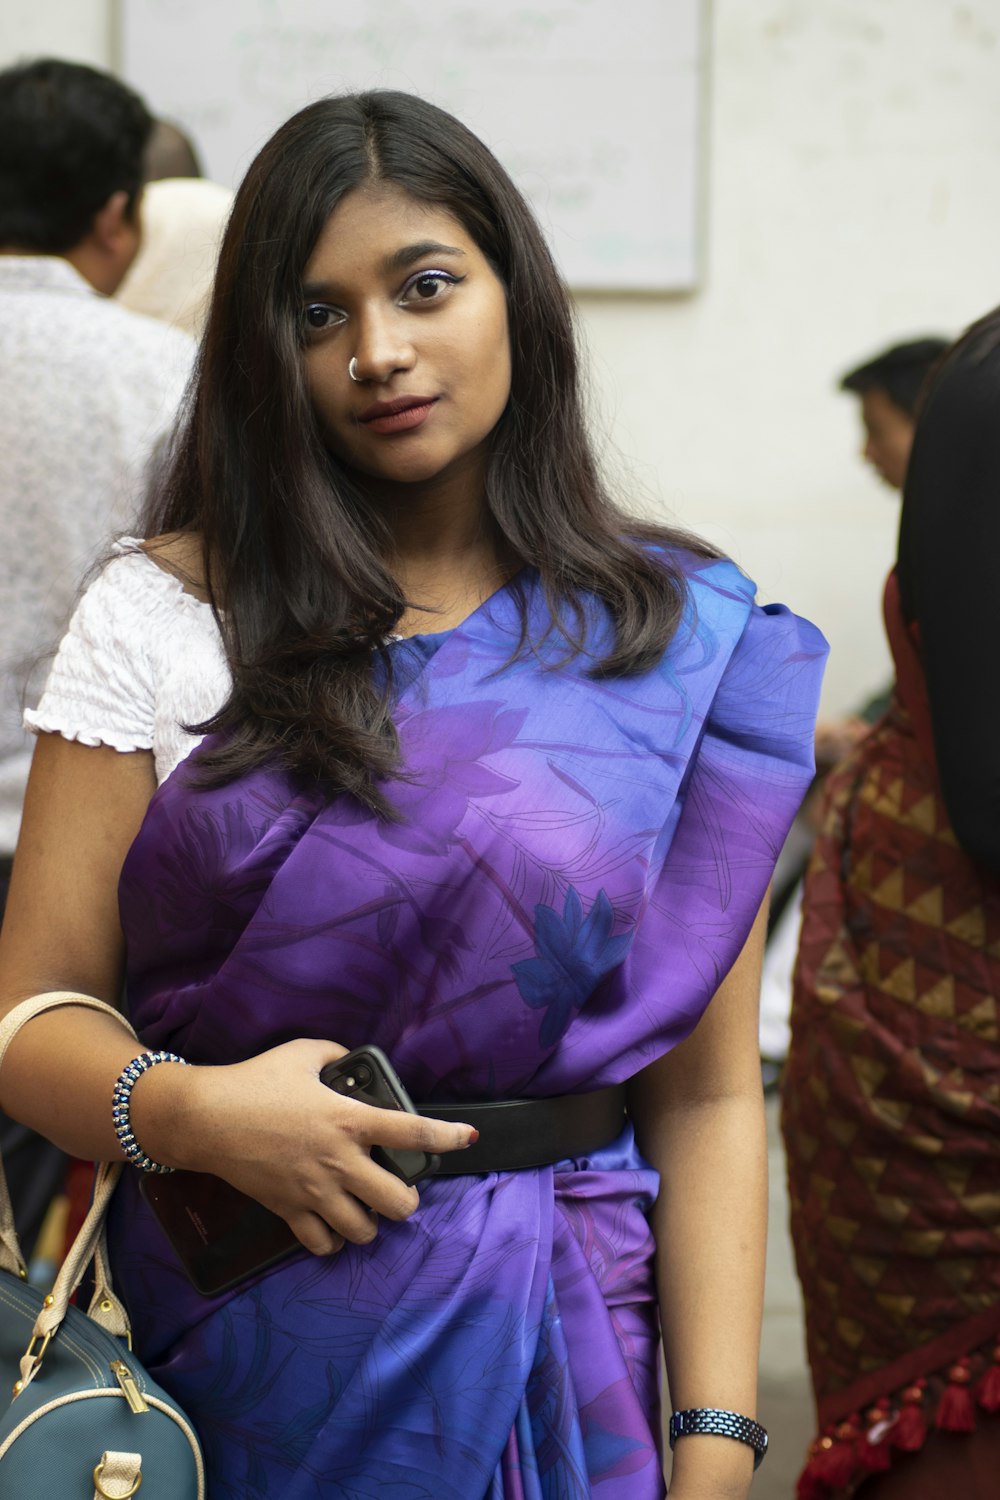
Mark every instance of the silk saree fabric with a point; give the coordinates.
(892, 1112)
(576, 866)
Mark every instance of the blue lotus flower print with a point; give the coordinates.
(574, 952)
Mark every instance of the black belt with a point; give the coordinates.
(519, 1133)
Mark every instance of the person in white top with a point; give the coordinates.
(87, 389)
(382, 524)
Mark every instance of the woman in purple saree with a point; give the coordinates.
(520, 852)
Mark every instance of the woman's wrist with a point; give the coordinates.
(121, 1107)
(706, 1467)
(706, 1488)
(165, 1107)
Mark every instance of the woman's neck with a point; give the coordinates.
(445, 553)
(446, 564)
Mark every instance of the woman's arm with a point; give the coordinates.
(699, 1119)
(267, 1125)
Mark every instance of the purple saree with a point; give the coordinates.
(578, 865)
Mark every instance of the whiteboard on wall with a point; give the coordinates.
(593, 106)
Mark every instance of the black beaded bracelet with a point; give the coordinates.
(708, 1419)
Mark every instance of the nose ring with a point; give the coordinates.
(352, 370)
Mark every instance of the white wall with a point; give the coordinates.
(851, 200)
(81, 30)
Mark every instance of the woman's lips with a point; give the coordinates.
(401, 415)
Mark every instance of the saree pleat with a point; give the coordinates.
(425, 1347)
(575, 867)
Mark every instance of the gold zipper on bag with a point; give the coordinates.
(131, 1391)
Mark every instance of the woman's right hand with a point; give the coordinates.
(273, 1130)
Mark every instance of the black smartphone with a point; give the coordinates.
(367, 1075)
(221, 1236)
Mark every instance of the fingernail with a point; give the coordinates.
(473, 1137)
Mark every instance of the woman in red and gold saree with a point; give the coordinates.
(892, 1092)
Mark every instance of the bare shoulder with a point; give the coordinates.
(182, 554)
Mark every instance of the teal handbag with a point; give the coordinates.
(84, 1421)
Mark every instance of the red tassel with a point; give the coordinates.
(909, 1431)
(840, 1466)
(988, 1389)
(811, 1485)
(875, 1458)
(821, 1474)
(873, 1446)
(836, 1465)
(956, 1412)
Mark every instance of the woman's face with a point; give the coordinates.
(400, 289)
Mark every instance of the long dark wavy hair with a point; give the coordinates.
(294, 556)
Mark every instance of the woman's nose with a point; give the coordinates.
(381, 350)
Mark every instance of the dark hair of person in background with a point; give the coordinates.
(296, 557)
(171, 153)
(900, 371)
(70, 137)
(950, 497)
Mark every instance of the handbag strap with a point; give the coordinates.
(105, 1308)
(117, 1474)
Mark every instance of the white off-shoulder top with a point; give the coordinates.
(140, 658)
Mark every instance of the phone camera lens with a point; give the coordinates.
(362, 1075)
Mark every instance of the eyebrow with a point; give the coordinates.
(399, 260)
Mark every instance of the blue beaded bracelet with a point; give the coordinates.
(715, 1423)
(121, 1102)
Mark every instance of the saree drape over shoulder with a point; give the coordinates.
(576, 867)
(892, 1116)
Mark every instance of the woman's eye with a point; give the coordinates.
(429, 286)
(318, 316)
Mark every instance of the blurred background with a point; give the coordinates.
(847, 165)
(844, 159)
